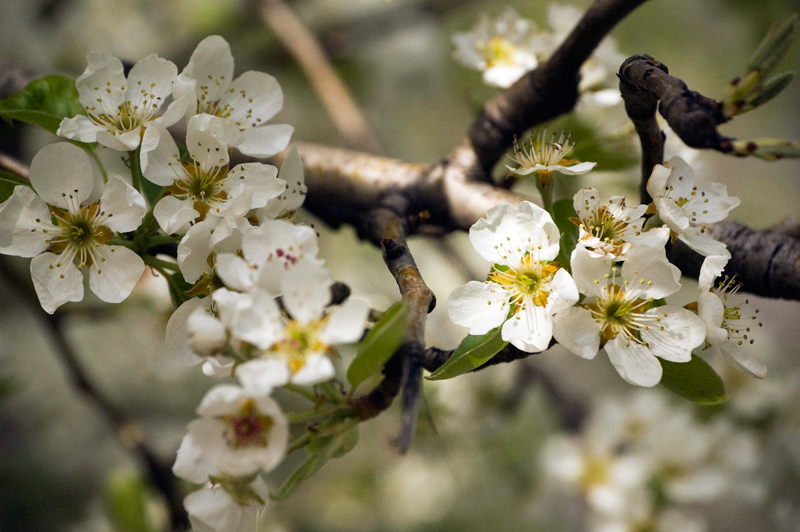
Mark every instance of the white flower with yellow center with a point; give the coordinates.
(614, 228)
(687, 207)
(203, 186)
(240, 432)
(299, 351)
(620, 319)
(64, 231)
(525, 287)
(246, 103)
(504, 49)
(118, 108)
(730, 324)
(543, 157)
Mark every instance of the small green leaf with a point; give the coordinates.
(8, 182)
(473, 352)
(324, 449)
(694, 380)
(43, 102)
(379, 345)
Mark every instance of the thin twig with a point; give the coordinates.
(14, 166)
(305, 48)
(128, 430)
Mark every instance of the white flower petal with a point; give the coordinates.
(205, 141)
(213, 510)
(316, 368)
(478, 306)
(101, 87)
(234, 272)
(211, 65)
(80, 128)
(265, 141)
(115, 273)
(123, 204)
(649, 271)
(207, 335)
(253, 98)
(150, 83)
(193, 251)
(346, 322)
(575, 169)
(306, 291)
(259, 181)
(682, 331)
(62, 168)
(742, 361)
(634, 362)
(177, 331)
(577, 331)
(160, 158)
(174, 214)
(712, 267)
(260, 376)
(22, 234)
(56, 282)
(529, 330)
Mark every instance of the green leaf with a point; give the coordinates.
(43, 102)
(8, 182)
(694, 380)
(126, 502)
(473, 352)
(379, 345)
(324, 449)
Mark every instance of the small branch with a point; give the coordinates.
(305, 48)
(14, 166)
(404, 370)
(128, 430)
(641, 106)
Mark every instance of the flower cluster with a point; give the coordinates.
(614, 299)
(642, 463)
(256, 298)
(507, 47)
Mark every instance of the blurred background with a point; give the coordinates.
(476, 461)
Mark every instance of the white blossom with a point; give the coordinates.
(543, 157)
(503, 49)
(215, 509)
(730, 325)
(204, 185)
(614, 228)
(246, 103)
(64, 231)
(118, 108)
(525, 287)
(238, 434)
(619, 318)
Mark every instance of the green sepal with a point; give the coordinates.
(473, 352)
(43, 102)
(379, 345)
(694, 380)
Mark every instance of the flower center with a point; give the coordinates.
(81, 231)
(620, 313)
(734, 320)
(528, 283)
(247, 427)
(300, 341)
(203, 188)
(499, 51)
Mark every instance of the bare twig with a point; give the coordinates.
(14, 166)
(305, 48)
(128, 430)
